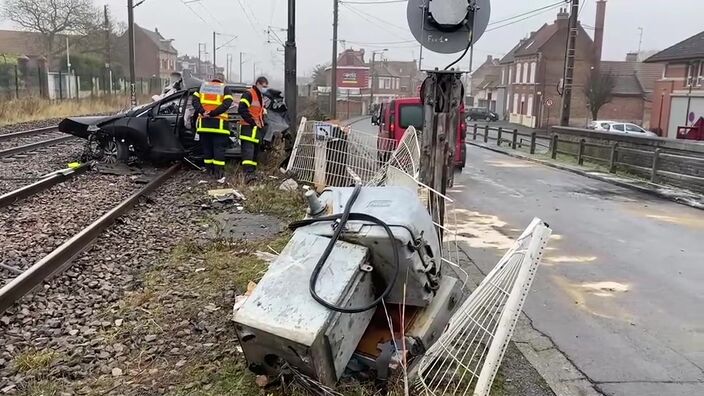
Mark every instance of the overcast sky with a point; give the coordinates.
(374, 26)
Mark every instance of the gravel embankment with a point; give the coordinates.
(34, 227)
(78, 335)
(26, 168)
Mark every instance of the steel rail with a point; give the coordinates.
(32, 146)
(61, 257)
(44, 183)
(8, 136)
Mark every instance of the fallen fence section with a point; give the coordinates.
(59, 259)
(467, 355)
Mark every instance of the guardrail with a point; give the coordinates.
(498, 134)
(658, 159)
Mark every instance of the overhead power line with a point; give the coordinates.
(542, 11)
(375, 2)
(188, 5)
(549, 6)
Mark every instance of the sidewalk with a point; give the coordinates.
(675, 194)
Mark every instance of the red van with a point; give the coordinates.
(398, 114)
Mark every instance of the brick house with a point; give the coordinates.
(155, 56)
(391, 78)
(352, 78)
(633, 91)
(533, 69)
(678, 97)
(394, 79)
(484, 84)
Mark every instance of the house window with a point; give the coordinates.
(510, 74)
(515, 104)
(523, 104)
(518, 73)
(525, 72)
(503, 76)
(533, 67)
(529, 109)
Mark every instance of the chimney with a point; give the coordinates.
(562, 18)
(599, 31)
(489, 59)
(632, 57)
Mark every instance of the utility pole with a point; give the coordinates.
(215, 50)
(290, 76)
(130, 38)
(108, 60)
(372, 74)
(241, 76)
(200, 53)
(640, 41)
(333, 72)
(568, 79)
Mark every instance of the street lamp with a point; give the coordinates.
(373, 73)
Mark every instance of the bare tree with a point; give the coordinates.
(51, 18)
(599, 90)
(319, 77)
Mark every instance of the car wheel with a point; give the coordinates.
(114, 151)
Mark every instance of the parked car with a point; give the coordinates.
(398, 114)
(601, 125)
(481, 113)
(621, 127)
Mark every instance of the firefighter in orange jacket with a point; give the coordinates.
(251, 108)
(211, 103)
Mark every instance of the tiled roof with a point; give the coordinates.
(159, 40)
(633, 77)
(690, 48)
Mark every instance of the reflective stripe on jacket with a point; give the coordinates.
(254, 105)
(211, 96)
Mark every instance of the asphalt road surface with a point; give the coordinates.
(621, 289)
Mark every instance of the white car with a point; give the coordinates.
(621, 127)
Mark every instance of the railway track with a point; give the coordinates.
(61, 257)
(25, 141)
(45, 182)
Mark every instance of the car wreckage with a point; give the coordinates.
(163, 130)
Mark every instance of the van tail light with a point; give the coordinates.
(392, 129)
(463, 130)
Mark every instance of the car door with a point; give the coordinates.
(620, 128)
(631, 128)
(162, 127)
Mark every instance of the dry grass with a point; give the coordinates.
(34, 109)
(35, 360)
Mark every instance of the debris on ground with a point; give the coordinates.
(288, 185)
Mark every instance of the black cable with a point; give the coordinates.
(469, 44)
(341, 220)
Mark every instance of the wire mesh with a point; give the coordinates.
(466, 357)
(329, 155)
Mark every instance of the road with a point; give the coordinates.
(621, 289)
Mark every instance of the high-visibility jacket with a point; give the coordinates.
(215, 98)
(252, 111)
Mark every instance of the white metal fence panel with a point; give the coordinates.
(465, 359)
